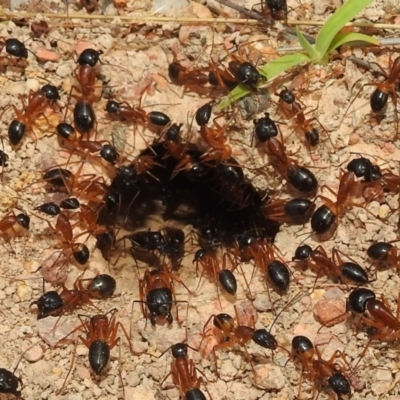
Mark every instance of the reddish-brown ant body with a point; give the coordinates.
(294, 211)
(192, 79)
(101, 337)
(319, 370)
(326, 216)
(234, 333)
(184, 374)
(158, 294)
(380, 96)
(56, 304)
(217, 140)
(301, 178)
(291, 108)
(319, 261)
(35, 106)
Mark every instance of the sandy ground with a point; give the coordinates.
(134, 57)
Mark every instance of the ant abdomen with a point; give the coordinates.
(354, 273)
(99, 354)
(265, 339)
(9, 383)
(102, 286)
(195, 394)
(278, 275)
(228, 281)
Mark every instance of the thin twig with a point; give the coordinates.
(251, 14)
(152, 18)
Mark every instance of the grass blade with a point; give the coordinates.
(282, 64)
(341, 16)
(342, 38)
(308, 48)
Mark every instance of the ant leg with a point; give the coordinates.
(59, 391)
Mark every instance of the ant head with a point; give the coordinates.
(339, 384)
(302, 252)
(24, 220)
(51, 92)
(179, 350)
(16, 48)
(89, 57)
(357, 300)
(265, 339)
(224, 322)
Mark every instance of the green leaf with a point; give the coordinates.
(308, 48)
(342, 38)
(236, 94)
(341, 17)
(282, 64)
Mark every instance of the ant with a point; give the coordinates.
(376, 314)
(292, 109)
(277, 274)
(319, 261)
(125, 112)
(18, 52)
(36, 105)
(192, 79)
(168, 241)
(318, 370)
(85, 74)
(301, 178)
(326, 217)
(295, 211)
(101, 337)
(56, 304)
(157, 294)
(245, 72)
(11, 220)
(93, 187)
(184, 375)
(64, 228)
(208, 260)
(381, 94)
(217, 140)
(234, 333)
(384, 253)
(9, 382)
(106, 151)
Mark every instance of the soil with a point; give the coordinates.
(135, 60)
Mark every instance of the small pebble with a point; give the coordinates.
(63, 70)
(34, 354)
(383, 211)
(328, 312)
(32, 84)
(47, 55)
(269, 377)
(24, 292)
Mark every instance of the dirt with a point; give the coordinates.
(136, 59)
